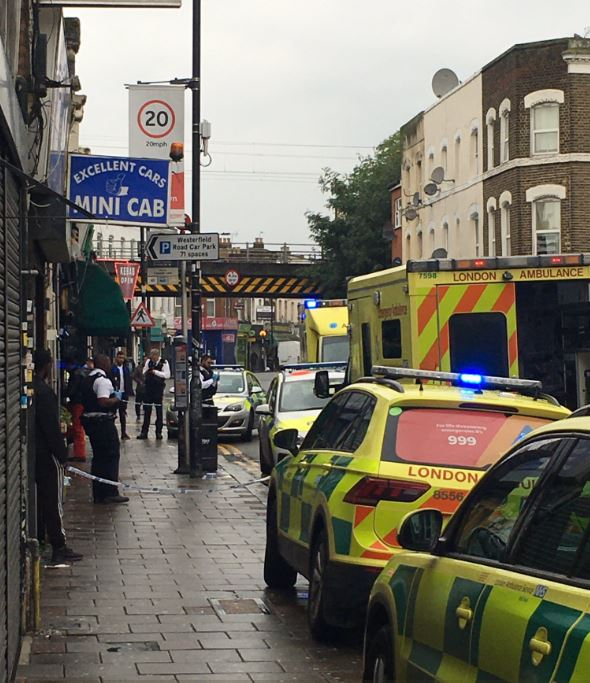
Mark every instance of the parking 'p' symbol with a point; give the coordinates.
(165, 248)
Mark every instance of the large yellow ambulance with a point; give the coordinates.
(324, 331)
(519, 316)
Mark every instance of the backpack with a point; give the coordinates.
(74, 388)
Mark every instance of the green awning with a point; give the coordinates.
(101, 310)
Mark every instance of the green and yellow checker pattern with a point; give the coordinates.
(313, 483)
(432, 641)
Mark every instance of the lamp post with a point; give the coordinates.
(196, 403)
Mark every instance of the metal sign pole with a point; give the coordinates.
(196, 406)
(183, 414)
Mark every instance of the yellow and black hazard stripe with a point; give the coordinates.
(170, 290)
(260, 285)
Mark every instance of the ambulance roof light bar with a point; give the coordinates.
(324, 365)
(319, 303)
(530, 387)
(497, 262)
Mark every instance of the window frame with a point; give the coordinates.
(535, 131)
(491, 129)
(341, 398)
(505, 205)
(444, 548)
(552, 231)
(399, 330)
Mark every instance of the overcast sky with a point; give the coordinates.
(293, 87)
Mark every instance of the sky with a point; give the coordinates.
(291, 88)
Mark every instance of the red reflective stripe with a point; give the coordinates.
(469, 299)
(505, 300)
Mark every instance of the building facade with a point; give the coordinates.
(536, 108)
(509, 148)
(37, 86)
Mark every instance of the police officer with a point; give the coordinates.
(100, 402)
(50, 456)
(209, 379)
(156, 371)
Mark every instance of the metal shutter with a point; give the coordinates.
(11, 465)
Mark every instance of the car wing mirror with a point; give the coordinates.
(420, 530)
(257, 390)
(286, 439)
(262, 409)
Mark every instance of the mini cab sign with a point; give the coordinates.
(123, 190)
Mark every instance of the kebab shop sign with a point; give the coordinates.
(127, 274)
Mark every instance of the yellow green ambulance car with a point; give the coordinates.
(504, 593)
(378, 450)
(291, 404)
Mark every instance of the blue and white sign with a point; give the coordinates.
(123, 190)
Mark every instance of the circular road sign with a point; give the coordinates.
(156, 119)
(232, 277)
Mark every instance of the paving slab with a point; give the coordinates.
(171, 587)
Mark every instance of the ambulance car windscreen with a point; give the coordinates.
(299, 395)
(455, 438)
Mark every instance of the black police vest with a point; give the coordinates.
(89, 397)
(209, 392)
(155, 385)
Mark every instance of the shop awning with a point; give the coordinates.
(101, 310)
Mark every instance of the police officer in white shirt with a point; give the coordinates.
(156, 371)
(100, 402)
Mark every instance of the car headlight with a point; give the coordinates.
(235, 407)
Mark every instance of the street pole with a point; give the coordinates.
(196, 405)
(143, 275)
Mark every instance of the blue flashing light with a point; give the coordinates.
(310, 303)
(333, 326)
(470, 378)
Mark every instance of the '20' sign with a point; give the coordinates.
(156, 119)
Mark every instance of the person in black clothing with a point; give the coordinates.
(50, 456)
(121, 379)
(209, 379)
(156, 371)
(100, 405)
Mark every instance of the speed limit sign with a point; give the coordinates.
(232, 277)
(156, 119)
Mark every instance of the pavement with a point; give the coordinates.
(171, 586)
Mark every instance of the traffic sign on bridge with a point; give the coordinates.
(202, 246)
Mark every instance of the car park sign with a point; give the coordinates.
(202, 246)
(122, 190)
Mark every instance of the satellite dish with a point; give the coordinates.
(416, 199)
(411, 214)
(443, 81)
(439, 253)
(430, 189)
(437, 175)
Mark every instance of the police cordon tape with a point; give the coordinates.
(156, 489)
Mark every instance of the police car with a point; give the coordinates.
(238, 394)
(379, 450)
(291, 404)
(504, 593)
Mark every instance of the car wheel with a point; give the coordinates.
(265, 468)
(379, 658)
(318, 589)
(247, 435)
(277, 573)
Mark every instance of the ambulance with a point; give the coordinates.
(518, 316)
(324, 331)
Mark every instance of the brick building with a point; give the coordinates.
(513, 141)
(536, 110)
